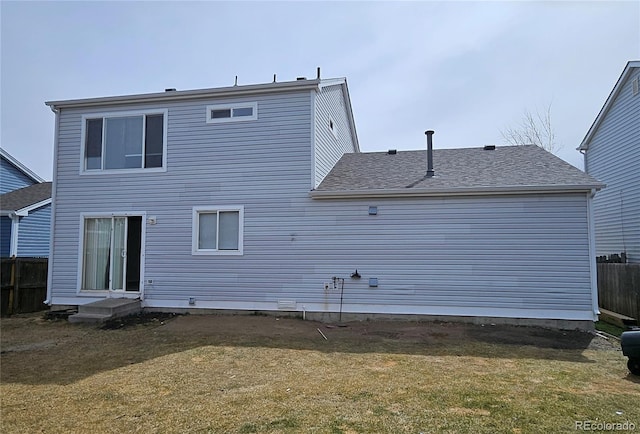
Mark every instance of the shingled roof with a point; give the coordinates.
(24, 197)
(457, 171)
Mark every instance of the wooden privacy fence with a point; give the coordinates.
(24, 285)
(619, 288)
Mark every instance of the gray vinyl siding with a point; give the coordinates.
(12, 178)
(514, 256)
(329, 104)
(266, 161)
(518, 256)
(5, 236)
(33, 233)
(614, 158)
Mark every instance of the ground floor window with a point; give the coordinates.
(111, 253)
(217, 230)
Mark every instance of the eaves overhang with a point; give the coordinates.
(463, 191)
(168, 96)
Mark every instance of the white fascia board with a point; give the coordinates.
(331, 82)
(352, 122)
(476, 191)
(251, 89)
(584, 145)
(24, 169)
(23, 212)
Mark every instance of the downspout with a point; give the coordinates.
(593, 268)
(15, 227)
(313, 138)
(48, 301)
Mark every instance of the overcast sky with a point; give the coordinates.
(464, 69)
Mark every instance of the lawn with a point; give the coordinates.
(246, 374)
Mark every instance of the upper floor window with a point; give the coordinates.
(232, 112)
(127, 140)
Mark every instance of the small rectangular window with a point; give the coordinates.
(217, 231)
(220, 114)
(244, 111)
(232, 112)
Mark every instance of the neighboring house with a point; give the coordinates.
(612, 154)
(258, 198)
(25, 210)
(14, 174)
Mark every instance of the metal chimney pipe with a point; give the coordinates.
(430, 172)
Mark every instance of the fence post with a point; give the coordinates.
(12, 283)
(16, 287)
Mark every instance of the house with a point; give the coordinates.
(611, 151)
(258, 198)
(25, 210)
(14, 174)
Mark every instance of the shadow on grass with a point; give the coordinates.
(77, 352)
(632, 378)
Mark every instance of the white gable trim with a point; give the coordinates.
(23, 212)
(21, 167)
(608, 103)
(347, 105)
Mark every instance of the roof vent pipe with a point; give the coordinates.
(430, 172)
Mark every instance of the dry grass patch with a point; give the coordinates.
(259, 374)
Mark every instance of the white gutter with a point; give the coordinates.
(593, 268)
(187, 94)
(467, 191)
(53, 204)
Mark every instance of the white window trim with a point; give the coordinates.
(122, 114)
(107, 292)
(253, 105)
(195, 230)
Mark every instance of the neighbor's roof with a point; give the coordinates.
(628, 70)
(507, 169)
(22, 198)
(21, 167)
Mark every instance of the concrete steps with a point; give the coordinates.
(103, 310)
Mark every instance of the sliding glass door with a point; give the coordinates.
(111, 253)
